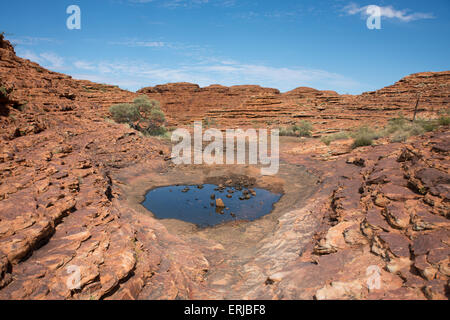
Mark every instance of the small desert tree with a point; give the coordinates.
(143, 114)
(124, 113)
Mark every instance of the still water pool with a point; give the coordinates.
(201, 205)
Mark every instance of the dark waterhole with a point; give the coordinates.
(201, 205)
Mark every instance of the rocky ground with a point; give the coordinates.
(71, 182)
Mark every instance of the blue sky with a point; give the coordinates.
(280, 44)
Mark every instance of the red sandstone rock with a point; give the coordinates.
(60, 205)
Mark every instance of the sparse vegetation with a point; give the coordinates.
(427, 125)
(398, 129)
(364, 136)
(38, 69)
(208, 122)
(167, 135)
(303, 129)
(444, 117)
(143, 114)
(99, 87)
(335, 136)
(444, 121)
(3, 91)
(400, 136)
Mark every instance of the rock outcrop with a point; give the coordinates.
(58, 221)
(327, 110)
(388, 217)
(68, 232)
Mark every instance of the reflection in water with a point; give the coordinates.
(197, 204)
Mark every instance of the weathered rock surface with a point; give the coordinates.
(405, 236)
(67, 231)
(327, 110)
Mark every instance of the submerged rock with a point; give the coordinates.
(219, 203)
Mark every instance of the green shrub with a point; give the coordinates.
(396, 124)
(399, 121)
(155, 123)
(161, 131)
(362, 141)
(143, 114)
(416, 129)
(303, 129)
(124, 113)
(364, 136)
(366, 131)
(401, 129)
(427, 125)
(444, 120)
(144, 104)
(444, 117)
(3, 92)
(333, 137)
(398, 129)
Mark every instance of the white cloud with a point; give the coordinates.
(188, 3)
(26, 54)
(83, 65)
(388, 12)
(135, 75)
(48, 60)
(30, 41)
(123, 83)
(137, 43)
(184, 3)
(53, 60)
